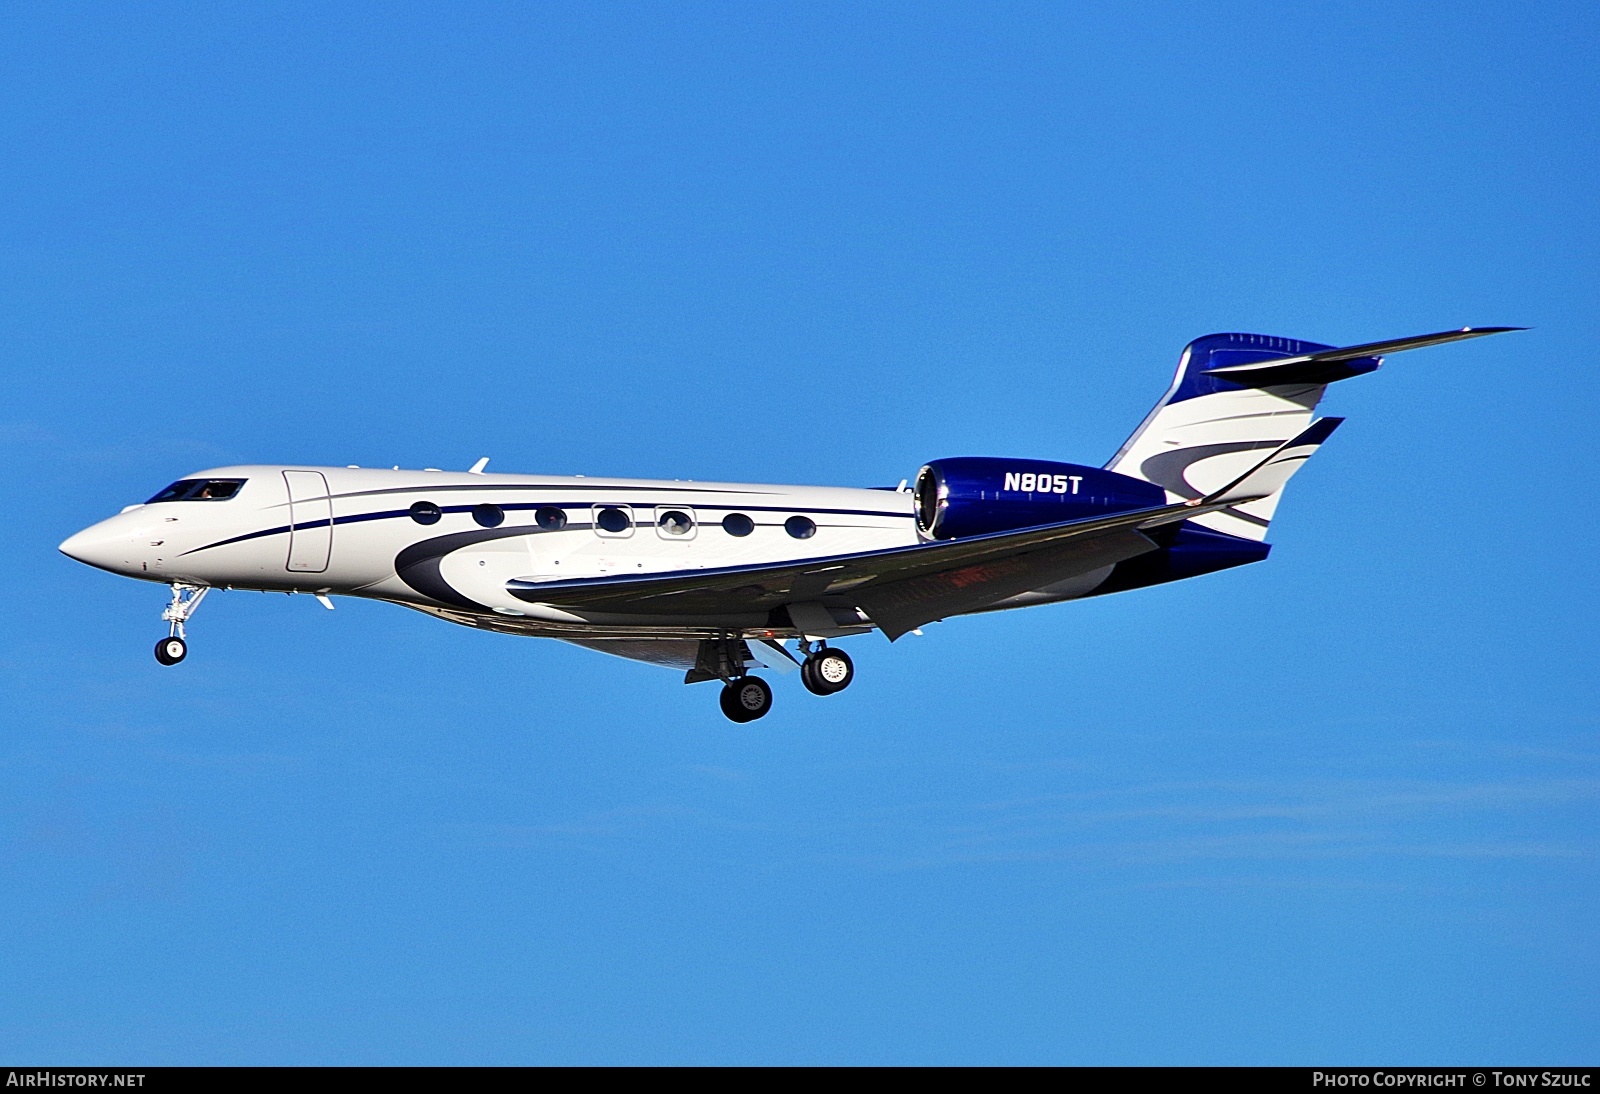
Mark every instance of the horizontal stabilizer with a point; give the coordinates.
(1269, 476)
(1324, 366)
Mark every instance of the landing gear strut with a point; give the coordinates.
(185, 599)
(826, 670)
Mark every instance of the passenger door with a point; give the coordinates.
(310, 522)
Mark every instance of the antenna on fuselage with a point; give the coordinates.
(477, 468)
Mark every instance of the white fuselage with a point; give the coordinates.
(611, 564)
(356, 532)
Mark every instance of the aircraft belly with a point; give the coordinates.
(629, 621)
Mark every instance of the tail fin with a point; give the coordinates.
(1271, 475)
(1236, 397)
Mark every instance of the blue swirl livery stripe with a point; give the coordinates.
(418, 564)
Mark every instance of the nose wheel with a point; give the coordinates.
(185, 599)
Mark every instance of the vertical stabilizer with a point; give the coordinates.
(1210, 429)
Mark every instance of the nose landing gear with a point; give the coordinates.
(185, 599)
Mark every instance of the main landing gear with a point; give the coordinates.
(185, 599)
(746, 698)
(727, 658)
(823, 670)
(826, 671)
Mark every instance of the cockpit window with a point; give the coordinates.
(199, 490)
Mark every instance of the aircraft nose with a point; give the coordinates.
(107, 548)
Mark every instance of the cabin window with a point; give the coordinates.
(675, 523)
(737, 524)
(613, 520)
(550, 518)
(800, 527)
(199, 490)
(490, 516)
(425, 512)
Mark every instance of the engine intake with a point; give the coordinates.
(975, 495)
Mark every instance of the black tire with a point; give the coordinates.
(728, 701)
(808, 680)
(827, 672)
(169, 651)
(746, 699)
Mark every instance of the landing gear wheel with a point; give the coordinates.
(827, 671)
(185, 599)
(169, 651)
(746, 699)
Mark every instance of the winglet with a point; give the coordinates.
(1269, 476)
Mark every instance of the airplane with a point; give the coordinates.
(714, 578)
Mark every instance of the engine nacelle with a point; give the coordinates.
(973, 495)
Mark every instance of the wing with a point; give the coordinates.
(899, 589)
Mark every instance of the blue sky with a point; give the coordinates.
(1338, 807)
